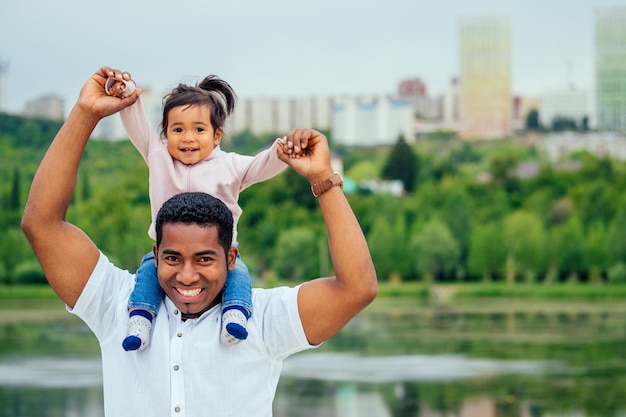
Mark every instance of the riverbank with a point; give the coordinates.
(442, 292)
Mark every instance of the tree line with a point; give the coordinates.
(469, 212)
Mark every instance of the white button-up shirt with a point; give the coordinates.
(186, 371)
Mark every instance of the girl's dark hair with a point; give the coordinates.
(212, 92)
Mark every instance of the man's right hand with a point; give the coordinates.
(94, 99)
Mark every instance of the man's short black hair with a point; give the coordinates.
(197, 208)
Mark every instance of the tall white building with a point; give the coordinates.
(280, 115)
(610, 42)
(51, 107)
(361, 121)
(450, 105)
(569, 104)
(485, 89)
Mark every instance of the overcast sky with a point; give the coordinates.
(284, 47)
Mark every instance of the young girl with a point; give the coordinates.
(189, 158)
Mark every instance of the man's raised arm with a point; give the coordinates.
(67, 256)
(327, 304)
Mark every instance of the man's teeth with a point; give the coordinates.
(189, 293)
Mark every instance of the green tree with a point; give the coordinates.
(597, 249)
(487, 255)
(297, 256)
(457, 214)
(436, 251)
(388, 243)
(15, 201)
(617, 238)
(571, 249)
(532, 120)
(524, 238)
(402, 164)
(13, 247)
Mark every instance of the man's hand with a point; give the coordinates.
(306, 151)
(94, 99)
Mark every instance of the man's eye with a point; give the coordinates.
(171, 258)
(205, 259)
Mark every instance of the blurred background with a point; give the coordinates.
(484, 152)
(438, 54)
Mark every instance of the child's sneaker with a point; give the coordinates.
(139, 328)
(234, 322)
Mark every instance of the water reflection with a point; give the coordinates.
(528, 361)
(52, 373)
(356, 368)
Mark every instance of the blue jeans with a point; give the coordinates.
(147, 294)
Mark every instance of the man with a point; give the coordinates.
(187, 371)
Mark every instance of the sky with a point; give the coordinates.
(284, 48)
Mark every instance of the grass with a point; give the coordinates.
(502, 290)
(26, 292)
(419, 291)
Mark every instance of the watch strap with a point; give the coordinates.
(320, 187)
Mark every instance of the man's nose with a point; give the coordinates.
(187, 275)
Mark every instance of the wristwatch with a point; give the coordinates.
(321, 187)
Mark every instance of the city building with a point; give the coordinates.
(280, 115)
(371, 121)
(559, 146)
(610, 43)
(485, 78)
(570, 104)
(414, 90)
(522, 106)
(450, 105)
(51, 107)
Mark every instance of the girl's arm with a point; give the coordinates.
(138, 127)
(261, 167)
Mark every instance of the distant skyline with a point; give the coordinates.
(282, 48)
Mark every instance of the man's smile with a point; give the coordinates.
(188, 292)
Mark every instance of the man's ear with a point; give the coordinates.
(155, 252)
(232, 257)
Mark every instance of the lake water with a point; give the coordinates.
(399, 358)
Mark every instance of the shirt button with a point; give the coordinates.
(175, 312)
(177, 409)
(179, 335)
(176, 367)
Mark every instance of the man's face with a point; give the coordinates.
(192, 266)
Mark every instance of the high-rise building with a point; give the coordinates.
(570, 104)
(51, 107)
(485, 78)
(610, 41)
(263, 115)
(372, 121)
(414, 90)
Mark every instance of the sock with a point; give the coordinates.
(138, 334)
(234, 322)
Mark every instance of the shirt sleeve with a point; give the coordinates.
(104, 298)
(283, 333)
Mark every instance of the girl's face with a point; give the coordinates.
(190, 135)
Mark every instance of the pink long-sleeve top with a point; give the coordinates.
(222, 174)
